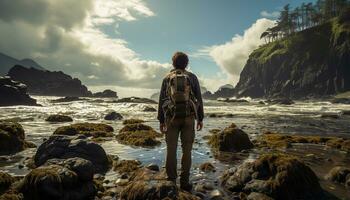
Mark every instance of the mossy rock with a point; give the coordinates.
(339, 174)
(126, 166)
(138, 134)
(207, 167)
(58, 118)
(278, 140)
(88, 129)
(231, 139)
(6, 181)
(12, 138)
(58, 182)
(133, 121)
(279, 176)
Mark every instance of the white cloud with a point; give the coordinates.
(232, 56)
(271, 15)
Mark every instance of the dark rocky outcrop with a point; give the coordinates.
(113, 116)
(87, 129)
(136, 100)
(106, 94)
(12, 138)
(149, 109)
(14, 93)
(340, 175)
(58, 118)
(278, 176)
(64, 147)
(231, 139)
(48, 83)
(225, 91)
(138, 134)
(60, 179)
(314, 62)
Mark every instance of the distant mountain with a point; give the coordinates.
(48, 83)
(225, 91)
(7, 62)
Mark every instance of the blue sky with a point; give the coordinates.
(127, 45)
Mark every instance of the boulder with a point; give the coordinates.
(14, 93)
(126, 166)
(225, 91)
(136, 100)
(106, 94)
(278, 176)
(43, 82)
(60, 179)
(58, 118)
(231, 139)
(6, 181)
(341, 100)
(88, 129)
(64, 147)
(339, 174)
(132, 121)
(12, 138)
(113, 116)
(66, 99)
(149, 109)
(138, 134)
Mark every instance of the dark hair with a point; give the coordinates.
(180, 60)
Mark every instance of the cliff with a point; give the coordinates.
(311, 63)
(48, 83)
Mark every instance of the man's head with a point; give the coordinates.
(180, 60)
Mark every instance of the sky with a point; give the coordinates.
(127, 45)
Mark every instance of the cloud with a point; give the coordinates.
(232, 56)
(270, 15)
(66, 35)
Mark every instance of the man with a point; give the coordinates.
(180, 103)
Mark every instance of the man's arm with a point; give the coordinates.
(161, 101)
(198, 95)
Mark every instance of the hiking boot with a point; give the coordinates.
(186, 186)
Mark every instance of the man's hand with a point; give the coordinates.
(163, 128)
(199, 126)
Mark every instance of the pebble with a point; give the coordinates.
(153, 167)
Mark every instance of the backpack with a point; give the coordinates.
(180, 98)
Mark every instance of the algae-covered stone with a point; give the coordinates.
(231, 139)
(59, 118)
(338, 174)
(88, 129)
(138, 134)
(12, 138)
(113, 116)
(207, 167)
(6, 181)
(126, 166)
(278, 176)
(59, 181)
(133, 121)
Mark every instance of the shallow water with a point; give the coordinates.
(303, 117)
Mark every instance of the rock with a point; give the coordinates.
(282, 101)
(12, 138)
(231, 139)
(231, 100)
(149, 109)
(138, 135)
(346, 112)
(341, 100)
(278, 176)
(219, 115)
(216, 195)
(14, 93)
(64, 147)
(126, 166)
(106, 94)
(207, 167)
(136, 100)
(58, 118)
(132, 121)
(66, 99)
(330, 115)
(48, 83)
(258, 196)
(113, 116)
(153, 167)
(280, 69)
(154, 190)
(338, 174)
(70, 179)
(6, 181)
(95, 130)
(224, 91)
(7, 62)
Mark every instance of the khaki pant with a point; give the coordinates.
(185, 128)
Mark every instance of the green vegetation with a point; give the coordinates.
(88, 129)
